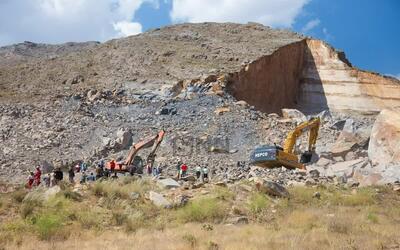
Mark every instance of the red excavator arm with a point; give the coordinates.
(153, 141)
(150, 141)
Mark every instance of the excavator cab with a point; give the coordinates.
(275, 156)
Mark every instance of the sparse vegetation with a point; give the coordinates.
(204, 209)
(190, 239)
(19, 195)
(47, 225)
(340, 218)
(258, 202)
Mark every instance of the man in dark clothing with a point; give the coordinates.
(58, 175)
(71, 174)
(99, 172)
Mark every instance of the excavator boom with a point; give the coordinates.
(145, 143)
(153, 141)
(312, 125)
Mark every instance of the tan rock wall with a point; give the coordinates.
(329, 81)
(271, 82)
(312, 76)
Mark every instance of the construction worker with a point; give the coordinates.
(205, 173)
(37, 176)
(198, 172)
(112, 165)
(184, 169)
(71, 174)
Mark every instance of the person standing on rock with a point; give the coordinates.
(198, 172)
(99, 172)
(112, 165)
(205, 173)
(184, 169)
(30, 181)
(37, 176)
(58, 175)
(178, 169)
(71, 175)
(47, 180)
(83, 166)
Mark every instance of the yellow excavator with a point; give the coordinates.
(275, 156)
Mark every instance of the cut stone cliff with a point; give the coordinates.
(311, 76)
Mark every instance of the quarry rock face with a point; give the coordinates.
(329, 81)
(312, 76)
(384, 144)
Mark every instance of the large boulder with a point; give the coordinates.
(272, 188)
(384, 144)
(124, 139)
(168, 183)
(159, 200)
(294, 114)
(379, 175)
(350, 139)
(345, 168)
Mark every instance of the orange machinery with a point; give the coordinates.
(131, 164)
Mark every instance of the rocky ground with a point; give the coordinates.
(64, 103)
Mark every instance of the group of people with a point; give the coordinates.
(201, 172)
(51, 179)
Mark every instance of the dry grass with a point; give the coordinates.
(191, 236)
(340, 219)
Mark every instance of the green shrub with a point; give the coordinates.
(28, 207)
(205, 209)
(47, 226)
(258, 202)
(224, 193)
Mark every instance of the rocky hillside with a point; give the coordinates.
(217, 89)
(167, 55)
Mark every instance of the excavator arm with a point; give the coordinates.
(312, 125)
(148, 142)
